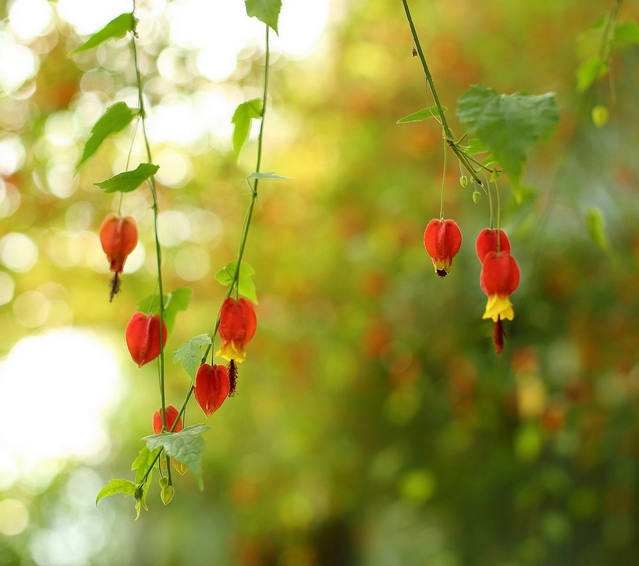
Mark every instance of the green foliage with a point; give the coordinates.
(117, 117)
(129, 180)
(267, 176)
(268, 11)
(597, 228)
(421, 115)
(241, 119)
(589, 71)
(245, 285)
(508, 124)
(174, 302)
(115, 487)
(140, 465)
(185, 446)
(117, 27)
(189, 355)
(626, 34)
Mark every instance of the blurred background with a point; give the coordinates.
(373, 422)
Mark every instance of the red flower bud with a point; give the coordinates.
(118, 236)
(237, 326)
(171, 414)
(143, 337)
(499, 274)
(442, 240)
(212, 387)
(487, 242)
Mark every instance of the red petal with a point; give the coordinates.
(487, 242)
(499, 274)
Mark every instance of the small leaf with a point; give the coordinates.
(626, 34)
(174, 302)
(267, 11)
(189, 355)
(589, 71)
(267, 176)
(116, 118)
(117, 27)
(241, 119)
(421, 115)
(508, 124)
(129, 180)
(185, 446)
(114, 487)
(597, 228)
(246, 285)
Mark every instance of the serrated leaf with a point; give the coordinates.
(589, 71)
(508, 124)
(174, 302)
(597, 228)
(189, 355)
(117, 27)
(115, 487)
(626, 34)
(116, 118)
(241, 119)
(129, 180)
(267, 11)
(185, 446)
(246, 285)
(421, 115)
(267, 176)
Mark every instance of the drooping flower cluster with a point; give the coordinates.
(442, 240)
(118, 236)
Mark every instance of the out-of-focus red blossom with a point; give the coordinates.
(487, 242)
(553, 418)
(118, 236)
(212, 387)
(237, 327)
(143, 337)
(171, 414)
(442, 240)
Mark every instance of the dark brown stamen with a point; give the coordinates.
(498, 336)
(232, 377)
(115, 286)
(441, 272)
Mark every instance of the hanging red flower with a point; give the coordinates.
(487, 242)
(212, 386)
(442, 240)
(118, 236)
(171, 414)
(237, 327)
(143, 337)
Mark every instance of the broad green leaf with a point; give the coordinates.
(267, 176)
(246, 285)
(117, 27)
(626, 34)
(267, 11)
(189, 355)
(508, 124)
(241, 119)
(174, 302)
(116, 118)
(142, 462)
(421, 115)
(185, 446)
(597, 228)
(589, 71)
(129, 180)
(114, 487)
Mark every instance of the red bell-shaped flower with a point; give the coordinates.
(171, 414)
(237, 326)
(442, 240)
(212, 387)
(118, 236)
(487, 242)
(143, 337)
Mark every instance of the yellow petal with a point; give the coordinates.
(499, 307)
(229, 351)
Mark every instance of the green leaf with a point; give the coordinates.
(626, 34)
(597, 228)
(241, 119)
(267, 11)
(589, 71)
(129, 180)
(508, 124)
(114, 487)
(185, 446)
(116, 118)
(189, 355)
(117, 27)
(246, 285)
(174, 302)
(267, 176)
(421, 115)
